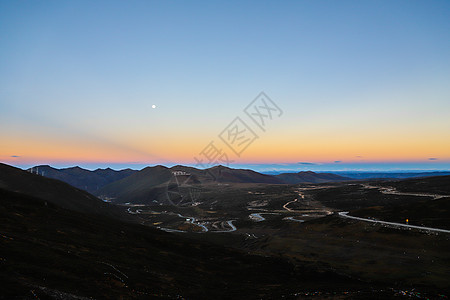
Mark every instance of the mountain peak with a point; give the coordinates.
(157, 167)
(307, 172)
(75, 168)
(106, 169)
(310, 177)
(220, 167)
(42, 166)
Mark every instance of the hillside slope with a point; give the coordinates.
(435, 184)
(159, 184)
(153, 184)
(55, 191)
(229, 175)
(144, 186)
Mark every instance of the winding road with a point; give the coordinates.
(230, 223)
(256, 217)
(192, 221)
(293, 219)
(295, 200)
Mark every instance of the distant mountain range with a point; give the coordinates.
(90, 181)
(152, 184)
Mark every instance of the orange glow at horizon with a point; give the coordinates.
(274, 150)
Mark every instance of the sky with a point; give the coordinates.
(346, 85)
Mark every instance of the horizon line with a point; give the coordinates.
(261, 168)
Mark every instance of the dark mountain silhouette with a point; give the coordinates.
(90, 181)
(222, 174)
(158, 184)
(55, 191)
(152, 184)
(310, 177)
(149, 183)
(229, 175)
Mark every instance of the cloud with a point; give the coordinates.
(306, 163)
(337, 161)
(15, 155)
(432, 158)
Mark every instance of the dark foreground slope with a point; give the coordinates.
(388, 175)
(87, 180)
(46, 251)
(426, 202)
(425, 212)
(55, 191)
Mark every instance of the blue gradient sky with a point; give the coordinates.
(360, 82)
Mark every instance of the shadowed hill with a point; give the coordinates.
(90, 181)
(152, 184)
(424, 212)
(435, 184)
(310, 177)
(222, 174)
(143, 186)
(158, 184)
(229, 175)
(421, 211)
(55, 191)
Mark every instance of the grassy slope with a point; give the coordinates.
(429, 213)
(392, 257)
(46, 246)
(138, 187)
(437, 184)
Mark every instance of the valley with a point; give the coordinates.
(321, 223)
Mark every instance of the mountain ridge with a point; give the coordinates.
(310, 177)
(159, 183)
(154, 184)
(78, 177)
(55, 191)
